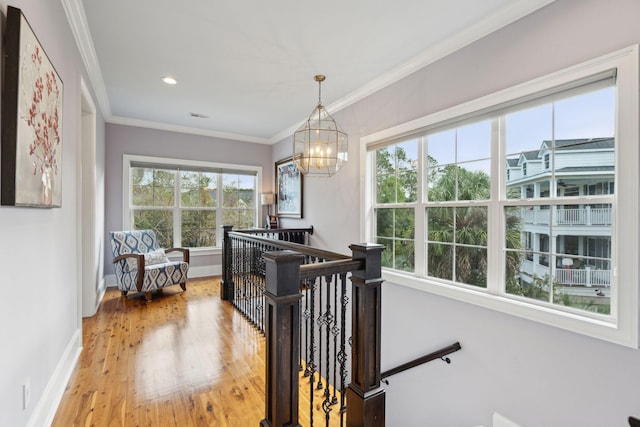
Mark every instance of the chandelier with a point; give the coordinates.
(319, 145)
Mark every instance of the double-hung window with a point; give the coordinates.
(187, 202)
(525, 201)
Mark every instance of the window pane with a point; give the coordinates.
(386, 189)
(407, 187)
(471, 225)
(440, 227)
(198, 189)
(474, 142)
(152, 187)
(471, 265)
(238, 191)
(526, 129)
(395, 228)
(387, 253)
(161, 221)
(239, 218)
(458, 163)
(474, 181)
(467, 181)
(404, 255)
(441, 147)
(384, 222)
(590, 115)
(198, 228)
(440, 261)
(524, 278)
(404, 223)
(397, 173)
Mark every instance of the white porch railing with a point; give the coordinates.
(586, 277)
(572, 277)
(563, 216)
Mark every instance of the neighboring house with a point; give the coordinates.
(580, 235)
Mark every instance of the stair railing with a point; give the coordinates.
(299, 296)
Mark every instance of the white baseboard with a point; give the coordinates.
(47, 405)
(102, 288)
(205, 270)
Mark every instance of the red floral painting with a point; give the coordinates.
(32, 120)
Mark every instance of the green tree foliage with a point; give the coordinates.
(153, 196)
(397, 182)
(457, 248)
(457, 236)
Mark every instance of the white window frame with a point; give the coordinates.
(128, 159)
(621, 326)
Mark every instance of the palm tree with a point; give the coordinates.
(457, 248)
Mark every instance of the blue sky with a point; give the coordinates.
(590, 115)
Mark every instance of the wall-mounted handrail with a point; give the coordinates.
(438, 354)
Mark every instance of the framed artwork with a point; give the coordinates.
(31, 169)
(288, 189)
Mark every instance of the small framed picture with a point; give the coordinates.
(289, 189)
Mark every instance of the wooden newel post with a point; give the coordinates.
(282, 330)
(365, 398)
(226, 285)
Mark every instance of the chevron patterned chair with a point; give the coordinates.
(142, 266)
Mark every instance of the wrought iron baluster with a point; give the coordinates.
(335, 330)
(328, 319)
(342, 355)
(320, 322)
(312, 347)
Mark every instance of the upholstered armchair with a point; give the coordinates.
(142, 266)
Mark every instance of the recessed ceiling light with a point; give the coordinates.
(169, 80)
(199, 115)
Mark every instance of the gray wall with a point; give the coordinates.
(40, 311)
(158, 143)
(535, 375)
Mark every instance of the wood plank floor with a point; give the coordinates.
(184, 359)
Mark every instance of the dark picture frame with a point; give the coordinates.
(31, 152)
(288, 189)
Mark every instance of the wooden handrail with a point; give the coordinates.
(308, 271)
(438, 354)
(281, 244)
(275, 230)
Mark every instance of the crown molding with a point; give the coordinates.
(80, 29)
(127, 121)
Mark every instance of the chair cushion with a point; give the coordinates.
(150, 258)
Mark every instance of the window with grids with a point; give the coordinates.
(515, 197)
(186, 205)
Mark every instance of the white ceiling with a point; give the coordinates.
(249, 64)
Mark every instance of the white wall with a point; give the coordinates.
(536, 375)
(40, 309)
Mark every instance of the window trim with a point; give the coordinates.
(623, 329)
(151, 161)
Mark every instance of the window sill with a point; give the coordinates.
(197, 252)
(593, 325)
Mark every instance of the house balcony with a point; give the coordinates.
(586, 277)
(567, 216)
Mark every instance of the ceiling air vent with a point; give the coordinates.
(198, 115)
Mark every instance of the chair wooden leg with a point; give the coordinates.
(183, 286)
(147, 296)
(124, 293)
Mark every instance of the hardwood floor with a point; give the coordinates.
(183, 359)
